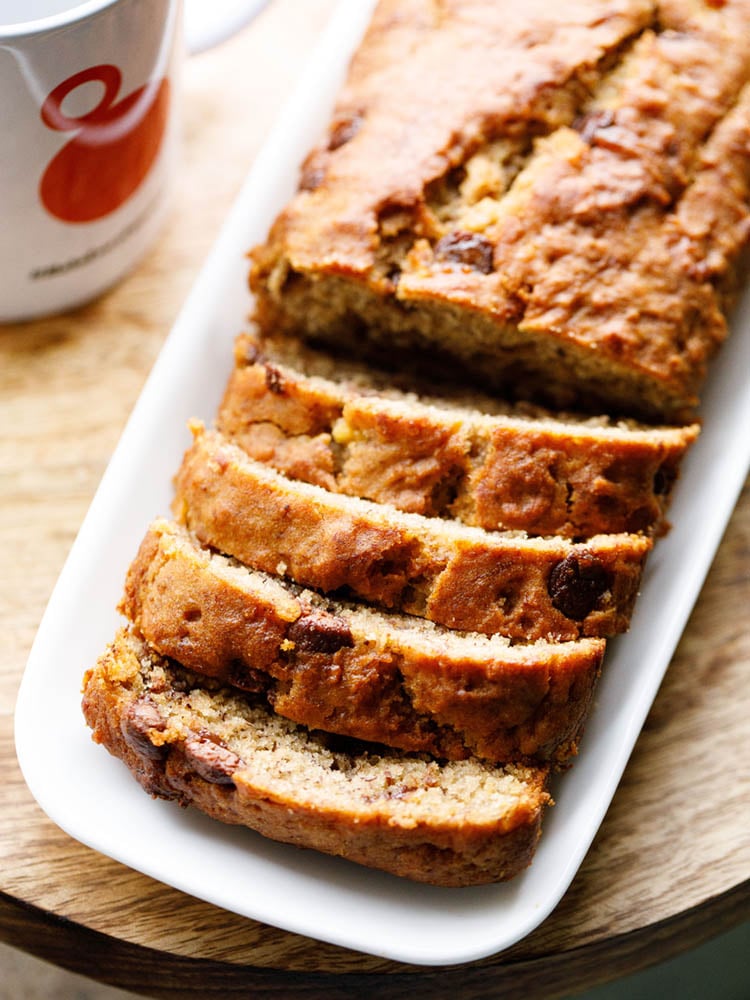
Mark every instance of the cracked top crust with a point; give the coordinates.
(516, 186)
(472, 72)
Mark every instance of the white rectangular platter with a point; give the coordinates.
(94, 799)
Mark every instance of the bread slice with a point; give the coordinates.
(355, 671)
(346, 428)
(189, 739)
(553, 255)
(458, 576)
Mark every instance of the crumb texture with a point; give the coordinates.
(470, 458)
(355, 671)
(454, 575)
(458, 823)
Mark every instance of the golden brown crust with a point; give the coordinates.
(461, 94)
(461, 577)
(331, 666)
(137, 707)
(566, 270)
(542, 476)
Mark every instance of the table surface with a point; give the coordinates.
(670, 866)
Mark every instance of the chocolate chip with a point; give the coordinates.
(470, 249)
(664, 479)
(140, 718)
(320, 633)
(577, 583)
(275, 380)
(211, 759)
(343, 130)
(247, 678)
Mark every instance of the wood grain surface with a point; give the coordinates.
(671, 864)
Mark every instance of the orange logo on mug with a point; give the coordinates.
(112, 152)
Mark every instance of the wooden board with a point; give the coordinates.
(671, 864)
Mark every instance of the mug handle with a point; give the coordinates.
(208, 24)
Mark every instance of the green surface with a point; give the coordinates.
(719, 970)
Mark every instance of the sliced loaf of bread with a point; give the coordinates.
(355, 671)
(431, 451)
(452, 574)
(189, 739)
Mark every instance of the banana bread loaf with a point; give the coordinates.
(552, 196)
(348, 429)
(452, 574)
(189, 739)
(352, 670)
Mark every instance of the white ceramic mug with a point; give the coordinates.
(89, 113)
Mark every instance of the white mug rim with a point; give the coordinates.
(64, 18)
